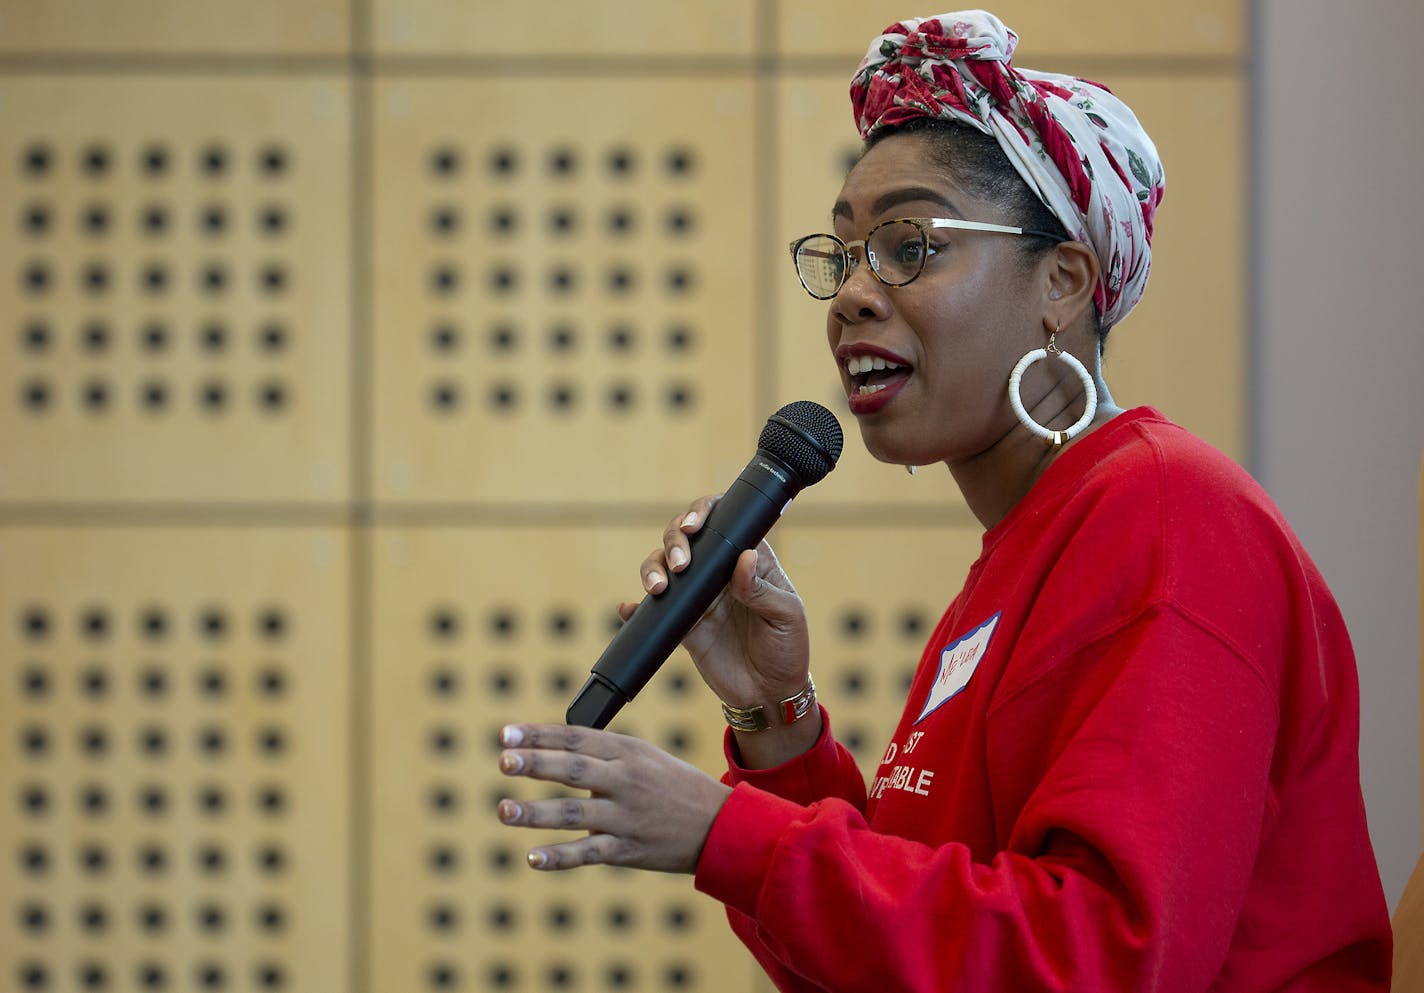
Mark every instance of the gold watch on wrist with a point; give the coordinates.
(791, 710)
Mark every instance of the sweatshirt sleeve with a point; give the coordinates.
(1123, 866)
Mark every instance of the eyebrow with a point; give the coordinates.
(908, 194)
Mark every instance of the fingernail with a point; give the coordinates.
(690, 519)
(510, 736)
(677, 558)
(655, 579)
(509, 811)
(537, 859)
(510, 762)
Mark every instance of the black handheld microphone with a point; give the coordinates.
(798, 446)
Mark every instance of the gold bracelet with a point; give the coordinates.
(792, 709)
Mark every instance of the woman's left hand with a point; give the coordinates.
(646, 809)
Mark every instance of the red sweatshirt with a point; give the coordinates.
(1129, 761)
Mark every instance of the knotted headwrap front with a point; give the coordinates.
(1079, 148)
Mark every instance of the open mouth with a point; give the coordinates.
(869, 374)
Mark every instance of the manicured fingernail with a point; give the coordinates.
(655, 579)
(677, 558)
(510, 762)
(509, 811)
(537, 859)
(511, 736)
(690, 519)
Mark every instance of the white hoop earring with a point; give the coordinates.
(1054, 438)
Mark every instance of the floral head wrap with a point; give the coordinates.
(1079, 148)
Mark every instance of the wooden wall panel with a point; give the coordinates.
(176, 289)
(176, 758)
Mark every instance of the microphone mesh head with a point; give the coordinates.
(806, 437)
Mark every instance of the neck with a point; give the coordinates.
(995, 480)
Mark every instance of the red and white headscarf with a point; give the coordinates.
(1079, 148)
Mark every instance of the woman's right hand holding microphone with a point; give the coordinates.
(751, 646)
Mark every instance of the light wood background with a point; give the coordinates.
(354, 355)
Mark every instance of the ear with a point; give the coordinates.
(1070, 273)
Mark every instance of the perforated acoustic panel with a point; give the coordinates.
(475, 628)
(563, 315)
(174, 303)
(175, 759)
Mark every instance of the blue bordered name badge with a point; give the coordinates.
(957, 663)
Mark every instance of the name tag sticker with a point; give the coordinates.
(956, 664)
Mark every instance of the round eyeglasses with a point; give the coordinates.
(895, 249)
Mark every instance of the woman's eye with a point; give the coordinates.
(909, 252)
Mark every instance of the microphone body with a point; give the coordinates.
(737, 522)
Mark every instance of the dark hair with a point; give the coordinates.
(974, 160)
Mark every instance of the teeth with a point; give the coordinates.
(867, 390)
(858, 364)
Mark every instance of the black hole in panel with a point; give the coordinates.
(680, 339)
(94, 742)
(680, 397)
(561, 917)
(503, 221)
(151, 976)
(621, 397)
(154, 279)
(907, 678)
(503, 279)
(34, 859)
(501, 859)
(622, 162)
(562, 338)
(854, 624)
(678, 975)
(273, 161)
(36, 278)
(444, 624)
(93, 976)
(36, 396)
(95, 395)
(213, 161)
(213, 623)
(212, 219)
(678, 917)
(563, 396)
(444, 338)
(153, 220)
(562, 279)
(152, 800)
(212, 682)
(94, 624)
(503, 338)
(444, 682)
(93, 918)
(503, 397)
(213, 337)
(680, 279)
(271, 918)
(211, 976)
(621, 338)
(619, 975)
(271, 800)
(37, 219)
(563, 221)
(619, 917)
(36, 337)
(35, 683)
(444, 221)
(270, 976)
(503, 975)
(444, 279)
(94, 683)
(153, 860)
(443, 976)
(681, 161)
(503, 917)
(273, 278)
(272, 395)
(96, 160)
(34, 742)
(677, 683)
(155, 337)
(33, 976)
(272, 337)
(679, 742)
(272, 624)
(855, 740)
(96, 220)
(153, 683)
(853, 682)
(212, 800)
(443, 799)
(210, 859)
(503, 623)
(271, 682)
(622, 220)
(36, 160)
(272, 220)
(912, 625)
(560, 976)
(34, 918)
(152, 918)
(272, 859)
(443, 860)
(563, 162)
(94, 860)
(503, 682)
(212, 741)
(445, 162)
(35, 624)
(680, 221)
(213, 278)
(503, 161)
(444, 742)
(93, 800)
(560, 682)
(211, 918)
(154, 160)
(96, 278)
(95, 337)
(272, 742)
